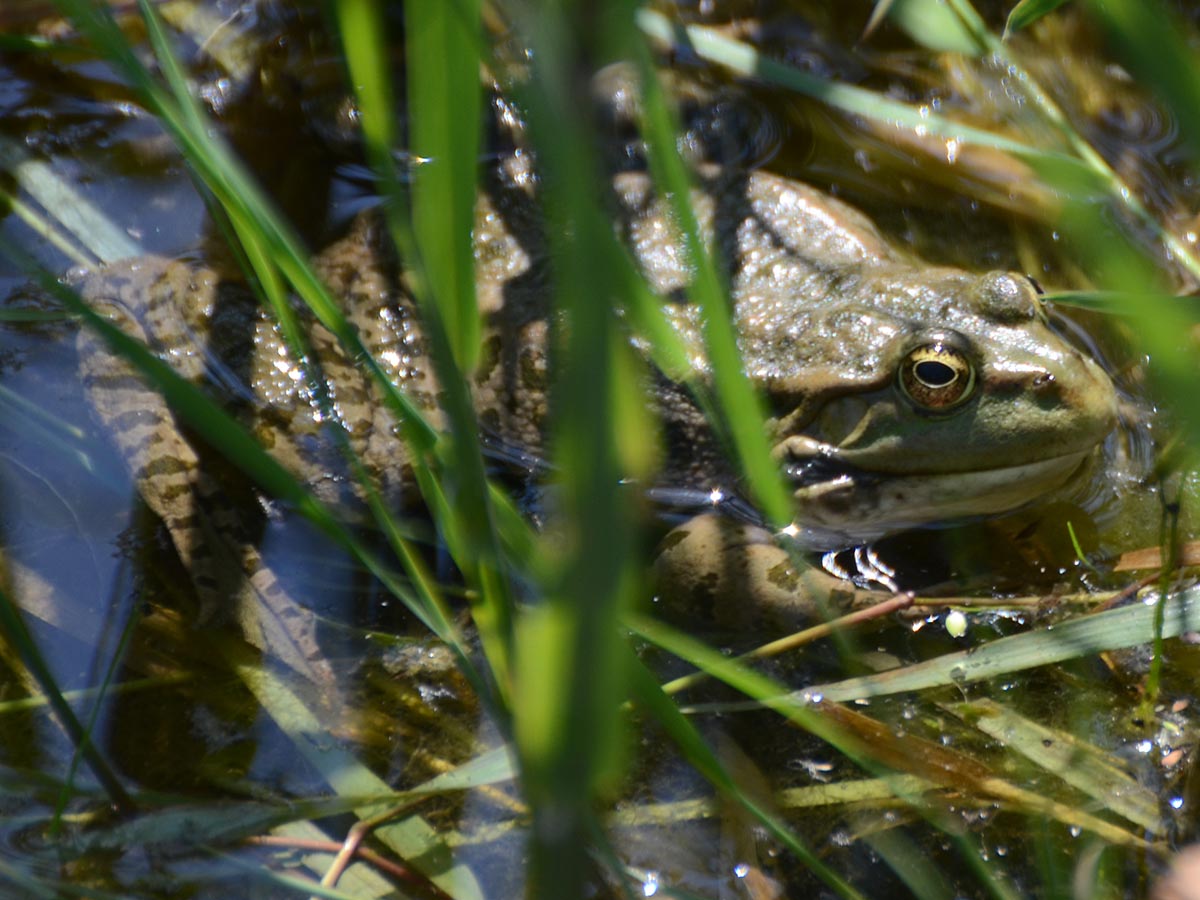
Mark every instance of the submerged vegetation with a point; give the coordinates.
(508, 714)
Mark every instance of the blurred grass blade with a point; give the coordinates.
(1121, 303)
(444, 106)
(443, 283)
(187, 105)
(743, 59)
(879, 12)
(1027, 12)
(1150, 44)
(78, 216)
(572, 665)
(132, 686)
(1117, 265)
(837, 793)
(933, 24)
(666, 347)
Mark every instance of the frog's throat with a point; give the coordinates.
(852, 506)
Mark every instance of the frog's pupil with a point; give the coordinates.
(934, 374)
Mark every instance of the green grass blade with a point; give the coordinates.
(270, 242)
(172, 71)
(13, 627)
(743, 59)
(444, 106)
(412, 838)
(442, 285)
(1081, 168)
(933, 24)
(240, 448)
(1114, 629)
(739, 403)
(1027, 12)
(571, 666)
(919, 874)
(1080, 764)
(874, 745)
(97, 235)
(1150, 43)
(650, 696)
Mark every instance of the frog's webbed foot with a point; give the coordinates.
(735, 575)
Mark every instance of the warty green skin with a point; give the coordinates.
(827, 313)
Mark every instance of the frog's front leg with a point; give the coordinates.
(165, 304)
(735, 575)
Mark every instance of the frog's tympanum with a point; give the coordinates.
(900, 394)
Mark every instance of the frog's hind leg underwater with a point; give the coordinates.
(227, 571)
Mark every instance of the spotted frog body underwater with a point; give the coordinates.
(900, 394)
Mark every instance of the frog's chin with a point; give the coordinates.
(853, 506)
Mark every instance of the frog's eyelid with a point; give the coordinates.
(1036, 285)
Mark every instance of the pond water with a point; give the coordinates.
(244, 771)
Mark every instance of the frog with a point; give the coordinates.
(899, 394)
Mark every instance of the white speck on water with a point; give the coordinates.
(650, 885)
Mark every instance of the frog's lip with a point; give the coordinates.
(825, 467)
(839, 506)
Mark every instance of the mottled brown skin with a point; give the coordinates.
(828, 317)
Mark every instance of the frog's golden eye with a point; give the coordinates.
(936, 377)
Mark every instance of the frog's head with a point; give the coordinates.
(925, 396)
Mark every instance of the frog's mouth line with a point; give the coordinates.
(811, 471)
(814, 470)
(838, 505)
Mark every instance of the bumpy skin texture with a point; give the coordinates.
(831, 323)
